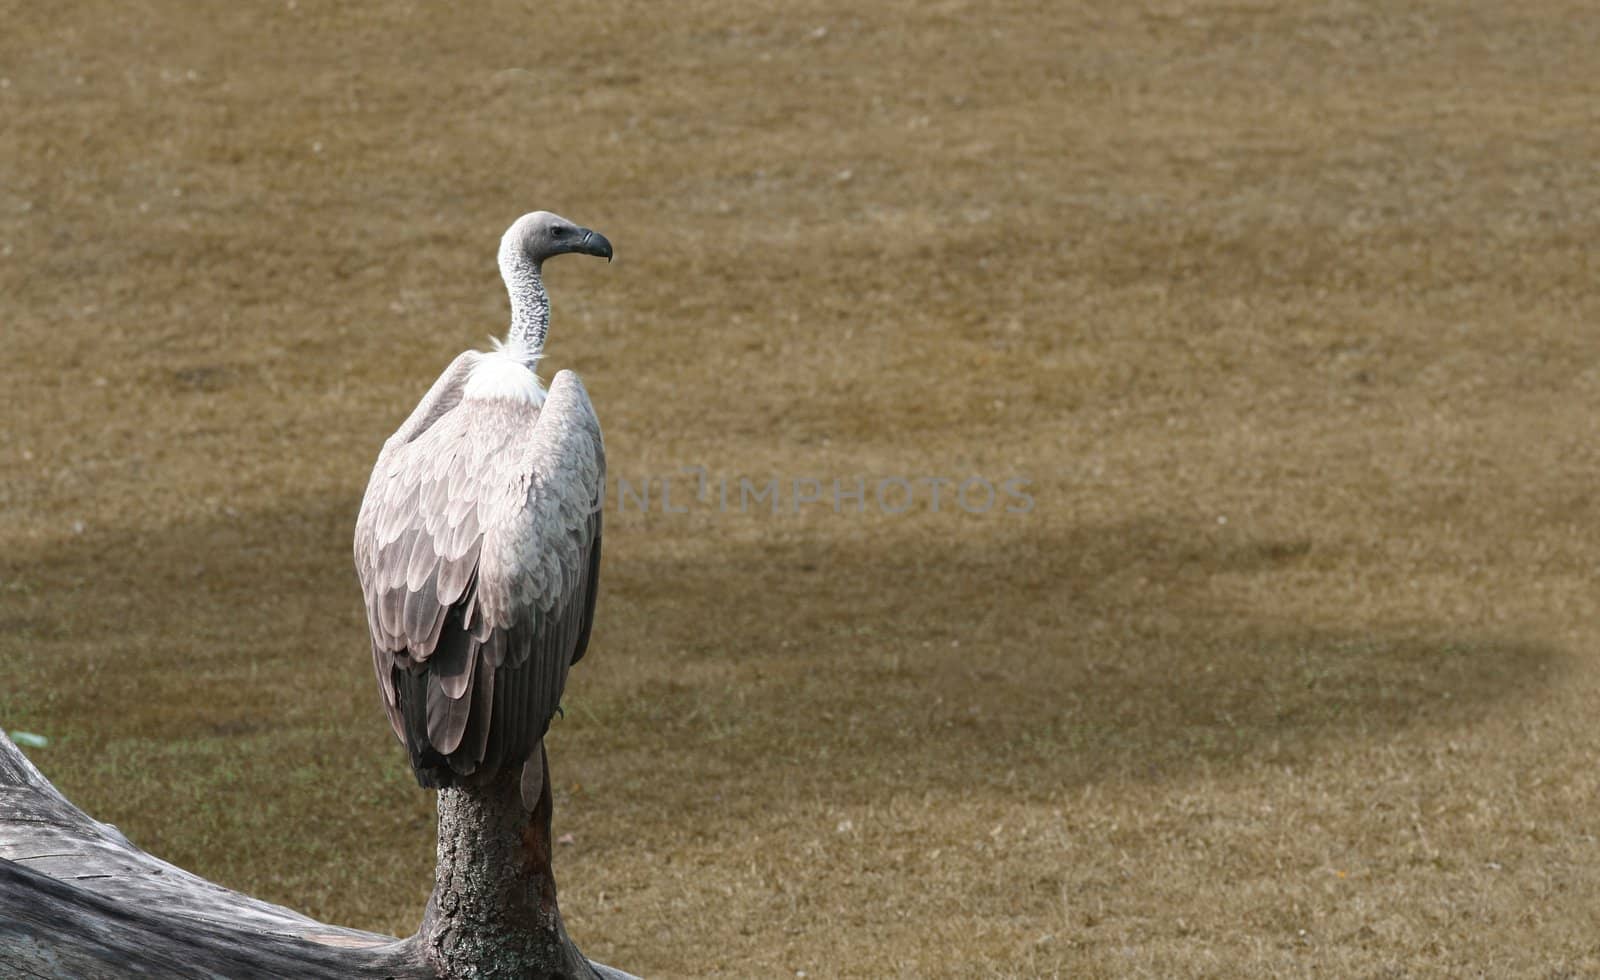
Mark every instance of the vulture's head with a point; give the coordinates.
(537, 236)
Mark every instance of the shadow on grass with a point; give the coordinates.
(227, 626)
(1024, 661)
(1025, 658)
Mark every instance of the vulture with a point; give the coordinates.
(478, 541)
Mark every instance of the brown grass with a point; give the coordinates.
(1287, 311)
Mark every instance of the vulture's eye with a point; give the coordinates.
(559, 232)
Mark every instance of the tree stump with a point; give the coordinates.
(78, 900)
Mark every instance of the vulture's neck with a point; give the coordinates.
(530, 309)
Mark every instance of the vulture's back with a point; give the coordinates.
(478, 550)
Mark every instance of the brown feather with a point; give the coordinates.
(532, 780)
(456, 575)
(422, 613)
(447, 717)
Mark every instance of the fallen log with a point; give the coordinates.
(79, 900)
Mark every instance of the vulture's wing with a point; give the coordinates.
(483, 548)
(444, 395)
(441, 398)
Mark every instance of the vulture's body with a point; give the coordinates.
(478, 542)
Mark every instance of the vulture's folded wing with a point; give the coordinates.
(478, 551)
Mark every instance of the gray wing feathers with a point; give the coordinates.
(441, 398)
(449, 680)
(535, 554)
(477, 547)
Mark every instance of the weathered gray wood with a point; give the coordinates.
(78, 900)
(51, 927)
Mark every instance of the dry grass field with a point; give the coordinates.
(1288, 313)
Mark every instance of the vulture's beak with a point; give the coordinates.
(594, 243)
